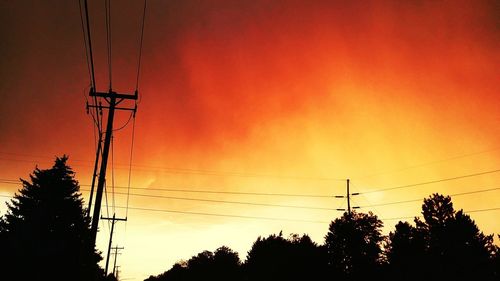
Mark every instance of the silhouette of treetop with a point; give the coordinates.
(46, 230)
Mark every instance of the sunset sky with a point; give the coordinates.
(288, 97)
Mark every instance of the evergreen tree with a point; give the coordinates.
(46, 233)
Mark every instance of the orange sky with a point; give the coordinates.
(260, 96)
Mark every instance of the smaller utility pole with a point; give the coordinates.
(113, 220)
(116, 257)
(348, 197)
(117, 272)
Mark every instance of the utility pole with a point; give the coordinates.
(117, 272)
(113, 99)
(96, 166)
(348, 197)
(113, 220)
(116, 257)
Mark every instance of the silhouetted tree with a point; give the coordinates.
(496, 263)
(4, 255)
(46, 233)
(227, 264)
(276, 258)
(309, 260)
(222, 265)
(353, 243)
(456, 247)
(406, 253)
(201, 266)
(446, 245)
(178, 272)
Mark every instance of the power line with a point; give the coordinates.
(279, 205)
(107, 8)
(206, 191)
(140, 46)
(483, 210)
(89, 40)
(113, 172)
(430, 163)
(210, 214)
(420, 199)
(224, 215)
(268, 218)
(211, 200)
(475, 191)
(465, 211)
(130, 165)
(84, 40)
(124, 125)
(10, 181)
(225, 192)
(431, 182)
(226, 201)
(392, 203)
(16, 182)
(176, 170)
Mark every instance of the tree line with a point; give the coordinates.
(444, 245)
(45, 235)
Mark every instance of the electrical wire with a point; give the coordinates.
(107, 7)
(107, 204)
(225, 192)
(420, 199)
(172, 189)
(431, 182)
(130, 166)
(140, 47)
(89, 40)
(176, 170)
(126, 123)
(429, 163)
(224, 201)
(222, 215)
(113, 173)
(15, 182)
(268, 218)
(465, 211)
(85, 41)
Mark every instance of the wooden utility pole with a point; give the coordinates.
(116, 257)
(348, 197)
(113, 99)
(94, 174)
(117, 272)
(113, 220)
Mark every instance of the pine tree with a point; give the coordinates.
(45, 230)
